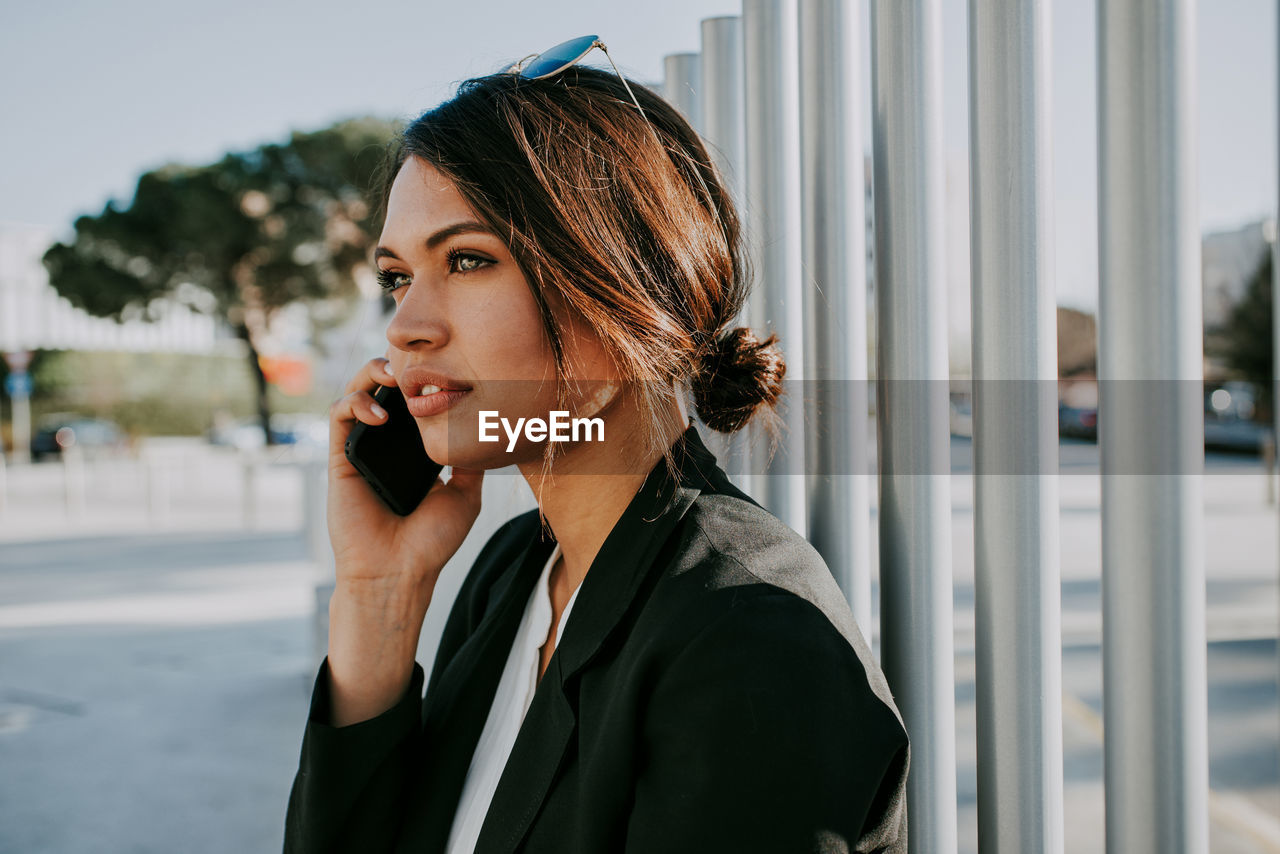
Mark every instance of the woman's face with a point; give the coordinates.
(466, 319)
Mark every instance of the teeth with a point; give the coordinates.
(429, 389)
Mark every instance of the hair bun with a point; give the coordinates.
(739, 374)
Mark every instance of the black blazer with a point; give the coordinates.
(711, 692)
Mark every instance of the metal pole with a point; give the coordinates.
(772, 89)
(73, 480)
(18, 386)
(835, 296)
(722, 107)
(912, 405)
(1015, 431)
(682, 85)
(20, 412)
(1151, 429)
(1275, 285)
(158, 500)
(724, 134)
(249, 489)
(316, 532)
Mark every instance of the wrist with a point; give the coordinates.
(391, 599)
(375, 627)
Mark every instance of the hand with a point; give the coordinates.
(371, 542)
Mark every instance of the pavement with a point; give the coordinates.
(160, 631)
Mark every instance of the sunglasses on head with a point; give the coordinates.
(552, 61)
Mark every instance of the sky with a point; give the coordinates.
(94, 94)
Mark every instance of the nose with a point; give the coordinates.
(418, 322)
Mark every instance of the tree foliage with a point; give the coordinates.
(1247, 334)
(240, 238)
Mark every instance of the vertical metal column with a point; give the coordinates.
(772, 89)
(1151, 429)
(722, 106)
(912, 405)
(682, 85)
(835, 296)
(1015, 430)
(723, 130)
(1275, 273)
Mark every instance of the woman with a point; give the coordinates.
(649, 661)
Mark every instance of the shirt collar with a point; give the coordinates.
(629, 552)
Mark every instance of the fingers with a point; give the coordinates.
(372, 373)
(357, 404)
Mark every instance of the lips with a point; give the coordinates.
(428, 392)
(426, 405)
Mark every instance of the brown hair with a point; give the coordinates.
(639, 238)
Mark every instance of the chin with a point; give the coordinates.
(450, 445)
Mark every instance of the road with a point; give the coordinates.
(158, 653)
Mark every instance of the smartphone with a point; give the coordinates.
(390, 455)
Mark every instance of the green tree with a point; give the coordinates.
(1247, 334)
(240, 238)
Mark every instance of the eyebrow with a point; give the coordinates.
(465, 227)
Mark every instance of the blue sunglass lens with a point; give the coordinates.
(558, 57)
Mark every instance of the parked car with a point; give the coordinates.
(302, 429)
(1228, 419)
(245, 434)
(961, 417)
(94, 437)
(1228, 424)
(1078, 422)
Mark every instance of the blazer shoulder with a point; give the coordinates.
(736, 543)
(733, 550)
(763, 666)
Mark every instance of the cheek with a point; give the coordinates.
(507, 352)
(519, 373)
(516, 351)
(503, 337)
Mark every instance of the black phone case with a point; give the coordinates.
(390, 455)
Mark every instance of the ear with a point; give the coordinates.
(606, 391)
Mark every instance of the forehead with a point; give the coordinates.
(422, 199)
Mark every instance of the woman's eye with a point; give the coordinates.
(465, 261)
(458, 261)
(390, 281)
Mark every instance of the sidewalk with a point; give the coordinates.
(158, 666)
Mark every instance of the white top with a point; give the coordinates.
(510, 702)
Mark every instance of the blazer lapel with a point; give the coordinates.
(457, 706)
(608, 589)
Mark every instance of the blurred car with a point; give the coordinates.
(243, 434)
(94, 437)
(307, 431)
(961, 417)
(1228, 419)
(1228, 425)
(246, 434)
(1078, 422)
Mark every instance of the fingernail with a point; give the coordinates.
(379, 411)
(386, 366)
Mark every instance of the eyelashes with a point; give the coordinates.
(390, 281)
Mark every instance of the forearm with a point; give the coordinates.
(373, 640)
